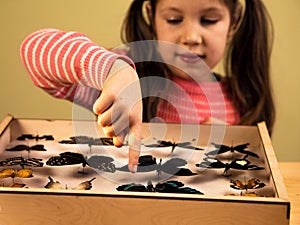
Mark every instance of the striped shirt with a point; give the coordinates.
(67, 65)
(70, 66)
(190, 102)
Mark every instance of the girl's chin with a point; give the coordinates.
(199, 75)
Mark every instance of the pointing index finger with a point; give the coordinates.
(134, 142)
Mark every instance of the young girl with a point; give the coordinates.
(167, 74)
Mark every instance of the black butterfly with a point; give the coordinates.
(171, 186)
(172, 166)
(66, 158)
(36, 137)
(239, 148)
(88, 140)
(162, 143)
(239, 164)
(27, 148)
(102, 163)
(253, 183)
(31, 162)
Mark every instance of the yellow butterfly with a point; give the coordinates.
(22, 173)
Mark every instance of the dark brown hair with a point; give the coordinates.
(247, 62)
(248, 66)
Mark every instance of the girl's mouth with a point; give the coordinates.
(190, 57)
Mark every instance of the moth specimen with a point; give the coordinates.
(35, 137)
(88, 140)
(56, 185)
(30, 162)
(171, 186)
(252, 183)
(163, 143)
(22, 173)
(239, 164)
(103, 163)
(27, 148)
(237, 148)
(174, 166)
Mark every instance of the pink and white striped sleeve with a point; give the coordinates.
(67, 64)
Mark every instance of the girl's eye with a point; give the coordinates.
(209, 21)
(174, 21)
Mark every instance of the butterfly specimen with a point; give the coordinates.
(239, 164)
(27, 148)
(88, 140)
(67, 158)
(171, 186)
(35, 137)
(174, 166)
(22, 173)
(162, 143)
(253, 183)
(56, 185)
(102, 163)
(31, 162)
(238, 148)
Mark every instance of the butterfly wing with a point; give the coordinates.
(240, 147)
(66, 158)
(37, 148)
(14, 161)
(132, 187)
(6, 173)
(174, 186)
(188, 146)
(18, 148)
(103, 163)
(175, 166)
(46, 137)
(240, 164)
(33, 162)
(24, 137)
(221, 148)
(160, 143)
(237, 184)
(146, 163)
(209, 162)
(254, 183)
(24, 173)
(106, 141)
(249, 153)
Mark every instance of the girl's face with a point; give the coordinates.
(197, 29)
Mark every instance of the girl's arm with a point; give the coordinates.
(67, 64)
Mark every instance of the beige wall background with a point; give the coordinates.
(101, 21)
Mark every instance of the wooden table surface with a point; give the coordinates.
(291, 176)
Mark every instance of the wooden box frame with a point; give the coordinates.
(42, 206)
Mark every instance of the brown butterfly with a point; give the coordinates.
(252, 183)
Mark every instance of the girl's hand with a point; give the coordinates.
(119, 109)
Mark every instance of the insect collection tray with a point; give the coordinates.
(66, 172)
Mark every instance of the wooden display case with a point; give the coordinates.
(103, 204)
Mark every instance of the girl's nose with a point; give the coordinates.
(191, 35)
